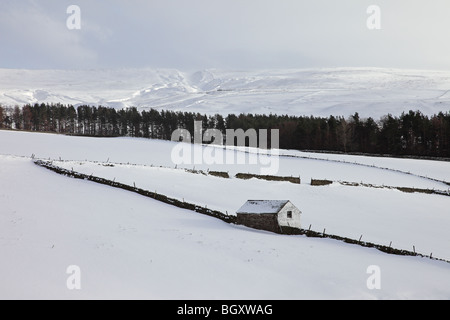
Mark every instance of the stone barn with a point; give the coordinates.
(270, 215)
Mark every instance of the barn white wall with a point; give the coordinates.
(283, 220)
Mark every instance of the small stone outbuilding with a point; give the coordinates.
(270, 215)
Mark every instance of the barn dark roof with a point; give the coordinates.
(262, 206)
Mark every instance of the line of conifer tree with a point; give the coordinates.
(411, 133)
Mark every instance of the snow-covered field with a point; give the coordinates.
(321, 92)
(379, 215)
(159, 153)
(128, 246)
(438, 170)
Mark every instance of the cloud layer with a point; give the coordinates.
(224, 34)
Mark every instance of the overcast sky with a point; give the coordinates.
(227, 34)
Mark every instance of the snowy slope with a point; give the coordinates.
(380, 215)
(321, 92)
(158, 153)
(128, 246)
(438, 170)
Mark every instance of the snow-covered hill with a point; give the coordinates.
(131, 247)
(321, 92)
(413, 219)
